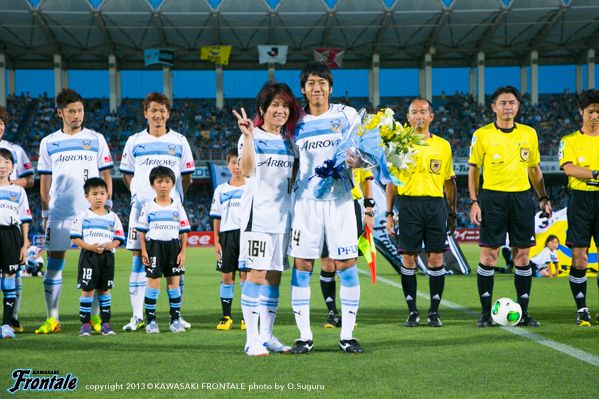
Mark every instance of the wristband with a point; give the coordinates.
(544, 198)
(452, 215)
(45, 214)
(388, 213)
(595, 174)
(108, 203)
(472, 201)
(371, 214)
(368, 203)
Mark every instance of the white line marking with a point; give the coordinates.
(568, 350)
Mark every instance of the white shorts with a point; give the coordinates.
(58, 235)
(314, 220)
(133, 242)
(263, 251)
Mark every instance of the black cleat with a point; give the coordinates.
(485, 321)
(350, 346)
(433, 320)
(583, 318)
(413, 319)
(302, 347)
(333, 321)
(527, 321)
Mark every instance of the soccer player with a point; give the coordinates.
(508, 152)
(316, 136)
(328, 286)
(67, 158)
(14, 226)
(97, 231)
(164, 224)
(22, 175)
(267, 161)
(578, 158)
(154, 146)
(423, 215)
(226, 214)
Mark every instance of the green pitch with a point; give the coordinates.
(455, 361)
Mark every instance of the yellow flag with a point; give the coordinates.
(216, 54)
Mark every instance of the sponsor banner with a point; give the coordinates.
(216, 54)
(550, 167)
(466, 235)
(331, 57)
(200, 239)
(159, 56)
(273, 53)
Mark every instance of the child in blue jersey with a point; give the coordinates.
(163, 227)
(226, 214)
(97, 231)
(14, 227)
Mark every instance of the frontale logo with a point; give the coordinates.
(23, 381)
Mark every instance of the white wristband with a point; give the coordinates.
(45, 214)
(108, 203)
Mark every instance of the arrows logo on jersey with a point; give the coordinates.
(86, 144)
(171, 149)
(524, 153)
(175, 216)
(336, 125)
(435, 165)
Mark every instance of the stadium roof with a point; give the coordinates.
(401, 31)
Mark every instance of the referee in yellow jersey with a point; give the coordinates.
(579, 158)
(509, 155)
(423, 215)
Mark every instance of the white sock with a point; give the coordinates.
(18, 288)
(250, 305)
(53, 286)
(300, 302)
(137, 287)
(349, 293)
(269, 303)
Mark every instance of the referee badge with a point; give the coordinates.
(524, 153)
(336, 125)
(435, 165)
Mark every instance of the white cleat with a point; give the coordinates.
(134, 324)
(152, 328)
(184, 324)
(176, 327)
(274, 345)
(256, 349)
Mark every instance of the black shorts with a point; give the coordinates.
(422, 219)
(163, 259)
(229, 243)
(507, 212)
(583, 218)
(11, 240)
(95, 270)
(358, 211)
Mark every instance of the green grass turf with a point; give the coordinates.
(455, 361)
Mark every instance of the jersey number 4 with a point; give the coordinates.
(295, 236)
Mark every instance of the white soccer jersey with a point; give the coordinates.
(14, 207)
(23, 166)
(95, 229)
(545, 256)
(143, 152)
(226, 206)
(71, 160)
(316, 139)
(267, 198)
(33, 255)
(163, 223)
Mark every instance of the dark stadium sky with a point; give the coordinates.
(245, 84)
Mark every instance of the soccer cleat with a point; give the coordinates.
(106, 329)
(86, 330)
(16, 326)
(7, 331)
(302, 347)
(225, 324)
(485, 320)
(413, 320)
(333, 321)
(256, 349)
(96, 323)
(350, 346)
(176, 327)
(527, 321)
(152, 328)
(583, 318)
(433, 320)
(274, 345)
(51, 325)
(134, 325)
(184, 324)
(242, 324)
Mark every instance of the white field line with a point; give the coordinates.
(568, 350)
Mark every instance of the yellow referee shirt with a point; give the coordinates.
(360, 176)
(581, 150)
(505, 157)
(433, 166)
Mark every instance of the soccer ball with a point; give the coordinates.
(506, 312)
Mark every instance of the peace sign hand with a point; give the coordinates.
(245, 124)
